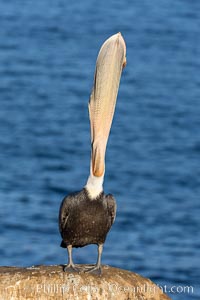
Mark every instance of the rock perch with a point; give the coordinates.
(50, 282)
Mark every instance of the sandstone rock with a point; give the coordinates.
(50, 282)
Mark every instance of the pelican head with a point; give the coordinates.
(110, 62)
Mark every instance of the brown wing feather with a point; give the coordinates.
(112, 207)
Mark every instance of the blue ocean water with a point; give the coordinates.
(48, 51)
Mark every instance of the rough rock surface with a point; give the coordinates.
(50, 282)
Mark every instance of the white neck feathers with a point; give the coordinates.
(94, 185)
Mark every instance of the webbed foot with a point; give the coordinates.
(71, 268)
(96, 270)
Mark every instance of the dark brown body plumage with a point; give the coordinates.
(83, 221)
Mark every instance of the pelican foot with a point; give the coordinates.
(71, 269)
(96, 270)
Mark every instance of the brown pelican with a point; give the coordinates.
(86, 217)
